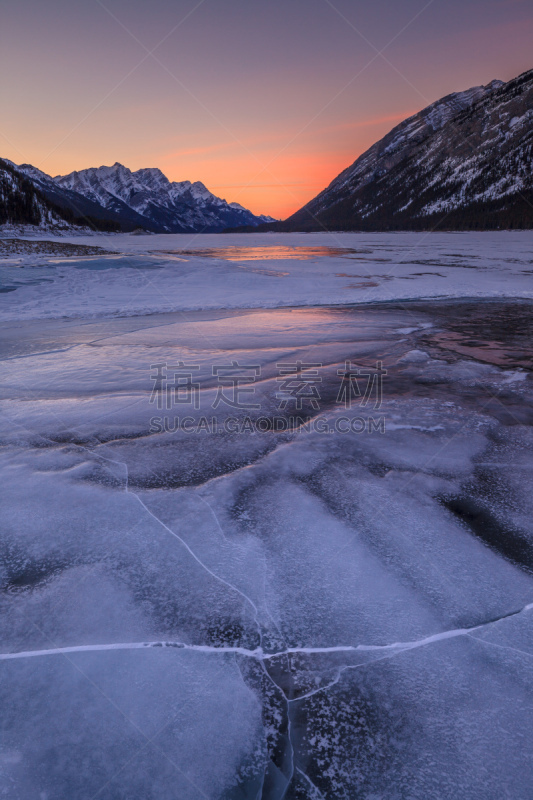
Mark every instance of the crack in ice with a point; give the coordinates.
(259, 654)
(501, 646)
(317, 794)
(178, 537)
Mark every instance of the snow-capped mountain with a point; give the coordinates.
(463, 162)
(145, 198)
(167, 206)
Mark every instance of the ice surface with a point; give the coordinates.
(155, 274)
(280, 614)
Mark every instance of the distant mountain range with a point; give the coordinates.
(115, 198)
(463, 163)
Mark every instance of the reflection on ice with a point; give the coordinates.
(179, 272)
(266, 253)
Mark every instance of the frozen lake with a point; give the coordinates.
(155, 274)
(267, 518)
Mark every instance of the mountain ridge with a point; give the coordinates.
(462, 163)
(22, 203)
(465, 162)
(117, 196)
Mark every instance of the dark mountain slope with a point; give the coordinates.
(463, 163)
(23, 202)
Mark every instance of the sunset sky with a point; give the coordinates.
(264, 101)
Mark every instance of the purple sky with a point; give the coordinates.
(265, 101)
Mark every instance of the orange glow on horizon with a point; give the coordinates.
(265, 105)
(260, 174)
(285, 183)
